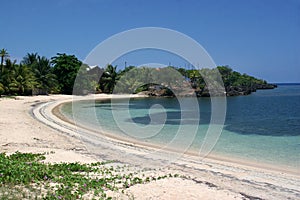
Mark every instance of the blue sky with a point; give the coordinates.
(257, 37)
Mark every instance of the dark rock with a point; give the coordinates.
(205, 92)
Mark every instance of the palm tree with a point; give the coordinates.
(22, 81)
(3, 54)
(41, 68)
(30, 59)
(129, 80)
(7, 74)
(2, 89)
(43, 73)
(109, 79)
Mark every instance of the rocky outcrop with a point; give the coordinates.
(230, 91)
(239, 90)
(265, 86)
(158, 93)
(246, 90)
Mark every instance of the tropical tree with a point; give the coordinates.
(3, 54)
(225, 72)
(22, 80)
(183, 72)
(30, 59)
(42, 70)
(109, 79)
(7, 74)
(86, 80)
(195, 78)
(130, 79)
(2, 89)
(65, 67)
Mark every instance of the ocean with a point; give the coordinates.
(263, 127)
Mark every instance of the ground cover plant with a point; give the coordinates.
(26, 176)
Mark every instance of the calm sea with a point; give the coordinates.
(263, 127)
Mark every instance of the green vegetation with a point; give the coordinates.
(165, 81)
(25, 176)
(38, 75)
(45, 80)
(109, 79)
(234, 82)
(65, 67)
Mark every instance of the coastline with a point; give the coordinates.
(214, 177)
(151, 146)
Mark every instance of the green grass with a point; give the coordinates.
(25, 176)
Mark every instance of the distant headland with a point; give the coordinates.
(39, 75)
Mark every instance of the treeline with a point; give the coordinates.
(235, 83)
(170, 81)
(39, 75)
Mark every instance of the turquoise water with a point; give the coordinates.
(263, 127)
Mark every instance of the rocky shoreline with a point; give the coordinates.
(246, 90)
(230, 91)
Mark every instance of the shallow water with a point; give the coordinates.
(263, 127)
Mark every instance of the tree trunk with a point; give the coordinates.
(1, 69)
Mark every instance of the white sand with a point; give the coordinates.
(19, 131)
(208, 179)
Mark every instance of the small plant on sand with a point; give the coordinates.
(25, 176)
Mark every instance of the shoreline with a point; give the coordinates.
(144, 145)
(33, 128)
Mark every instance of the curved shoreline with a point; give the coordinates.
(27, 125)
(129, 143)
(242, 180)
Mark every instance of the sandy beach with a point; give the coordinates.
(27, 124)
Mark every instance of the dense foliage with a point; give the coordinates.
(234, 82)
(169, 80)
(65, 67)
(38, 75)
